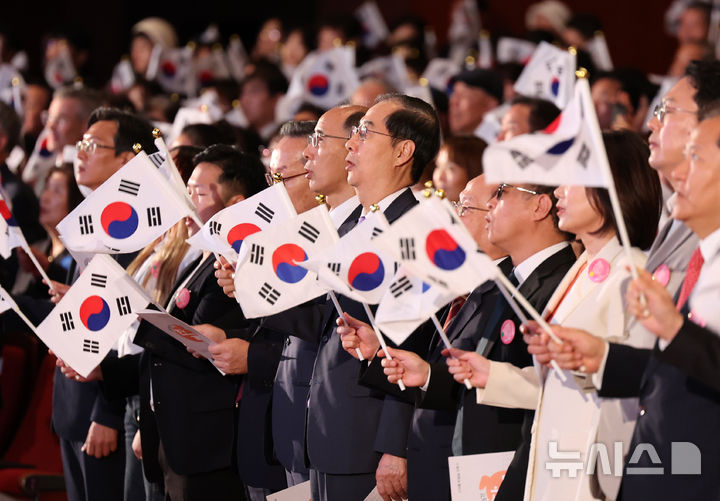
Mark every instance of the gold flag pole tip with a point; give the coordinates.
(156, 133)
(582, 72)
(440, 193)
(137, 148)
(374, 208)
(277, 178)
(320, 199)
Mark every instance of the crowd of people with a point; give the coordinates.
(627, 380)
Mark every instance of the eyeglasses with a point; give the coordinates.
(501, 190)
(271, 180)
(461, 209)
(89, 146)
(315, 138)
(663, 109)
(362, 132)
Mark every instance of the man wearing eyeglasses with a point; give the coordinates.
(88, 424)
(356, 437)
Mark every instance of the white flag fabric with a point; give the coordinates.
(391, 69)
(94, 312)
(407, 304)
(550, 74)
(60, 70)
(236, 57)
(430, 241)
(123, 76)
(598, 49)
(568, 151)
(485, 51)
(225, 232)
(40, 161)
(375, 30)
(440, 71)
(127, 212)
(353, 266)
(12, 87)
(10, 233)
(267, 277)
(165, 164)
(325, 79)
(514, 50)
(172, 68)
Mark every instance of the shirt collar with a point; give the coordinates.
(710, 245)
(525, 269)
(387, 201)
(339, 214)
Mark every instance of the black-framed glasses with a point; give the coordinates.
(89, 146)
(315, 138)
(271, 180)
(362, 132)
(663, 109)
(462, 209)
(501, 190)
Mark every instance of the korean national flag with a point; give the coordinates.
(354, 267)
(326, 78)
(268, 279)
(6, 301)
(93, 313)
(549, 74)
(130, 210)
(407, 304)
(568, 151)
(225, 232)
(10, 234)
(430, 241)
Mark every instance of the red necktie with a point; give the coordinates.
(691, 277)
(455, 306)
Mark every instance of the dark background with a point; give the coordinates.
(634, 28)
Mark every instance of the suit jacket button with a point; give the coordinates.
(324, 339)
(642, 411)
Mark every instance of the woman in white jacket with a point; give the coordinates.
(568, 410)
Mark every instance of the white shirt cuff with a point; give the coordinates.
(427, 382)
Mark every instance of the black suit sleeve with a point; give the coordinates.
(695, 350)
(121, 376)
(264, 355)
(443, 391)
(303, 321)
(623, 371)
(372, 375)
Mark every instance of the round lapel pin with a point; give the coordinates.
(662, 274)
(696, 319)
(183, 298)
(599, 270)
(507, 331)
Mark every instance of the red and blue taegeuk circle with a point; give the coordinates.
(238, 233)
(283, 260)
(318, 84)
(443, 250)
(119, 220)
(6, 214)
(366, 272)
(94, 313)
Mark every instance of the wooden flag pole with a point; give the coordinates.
(380, 338)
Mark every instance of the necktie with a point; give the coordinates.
(361, 219)
(455, 306)
(691, 277)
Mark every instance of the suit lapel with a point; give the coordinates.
(193, 280)
(403, 203)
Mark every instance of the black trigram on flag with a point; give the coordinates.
(407, 249)
(157, 158)
(66, 320)
(400, 287)
(335, 268)
(97, 280)
(376, 231)
(86, 224)
(123, 305)
(215, 227)
(153, 216)
(584, 155)
(91, 346)
(309, 231)
(268, 293)
(521, 158)
(129, 187)
(539, 88)
(257, 254)
(264, 212)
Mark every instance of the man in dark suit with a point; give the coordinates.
(676, 381)
(187, 411)
(356, 437)
(485, 322)
(88, 423)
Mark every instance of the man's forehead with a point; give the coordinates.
(681, 92)
(331, 121)
(379, 112)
